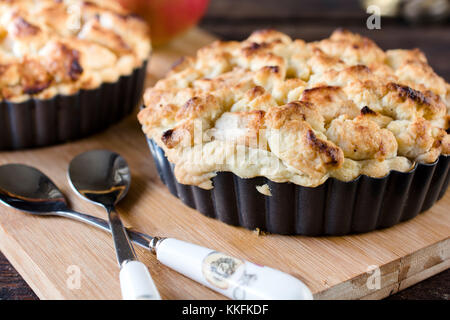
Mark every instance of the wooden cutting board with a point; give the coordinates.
(48, 252)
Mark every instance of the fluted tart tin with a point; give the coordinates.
(333, 208)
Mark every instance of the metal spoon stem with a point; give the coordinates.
(139, 238)
(124, 249)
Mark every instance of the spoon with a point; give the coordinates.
(28, 189)
(103, 177)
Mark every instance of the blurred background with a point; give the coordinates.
(404, 23)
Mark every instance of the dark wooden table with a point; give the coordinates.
(308, 20)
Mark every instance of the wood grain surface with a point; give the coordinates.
(42, 249)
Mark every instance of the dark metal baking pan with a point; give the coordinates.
(37, 123)
(333, 208)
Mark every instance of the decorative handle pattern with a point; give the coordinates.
(230, 276)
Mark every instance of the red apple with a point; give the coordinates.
(167, 18)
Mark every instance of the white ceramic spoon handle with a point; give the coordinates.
(136, 282)
(232, 277)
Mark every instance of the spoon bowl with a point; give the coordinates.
(28, 189)
(101, 176)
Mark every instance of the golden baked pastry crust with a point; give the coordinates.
(49, 47)
(300, 112)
